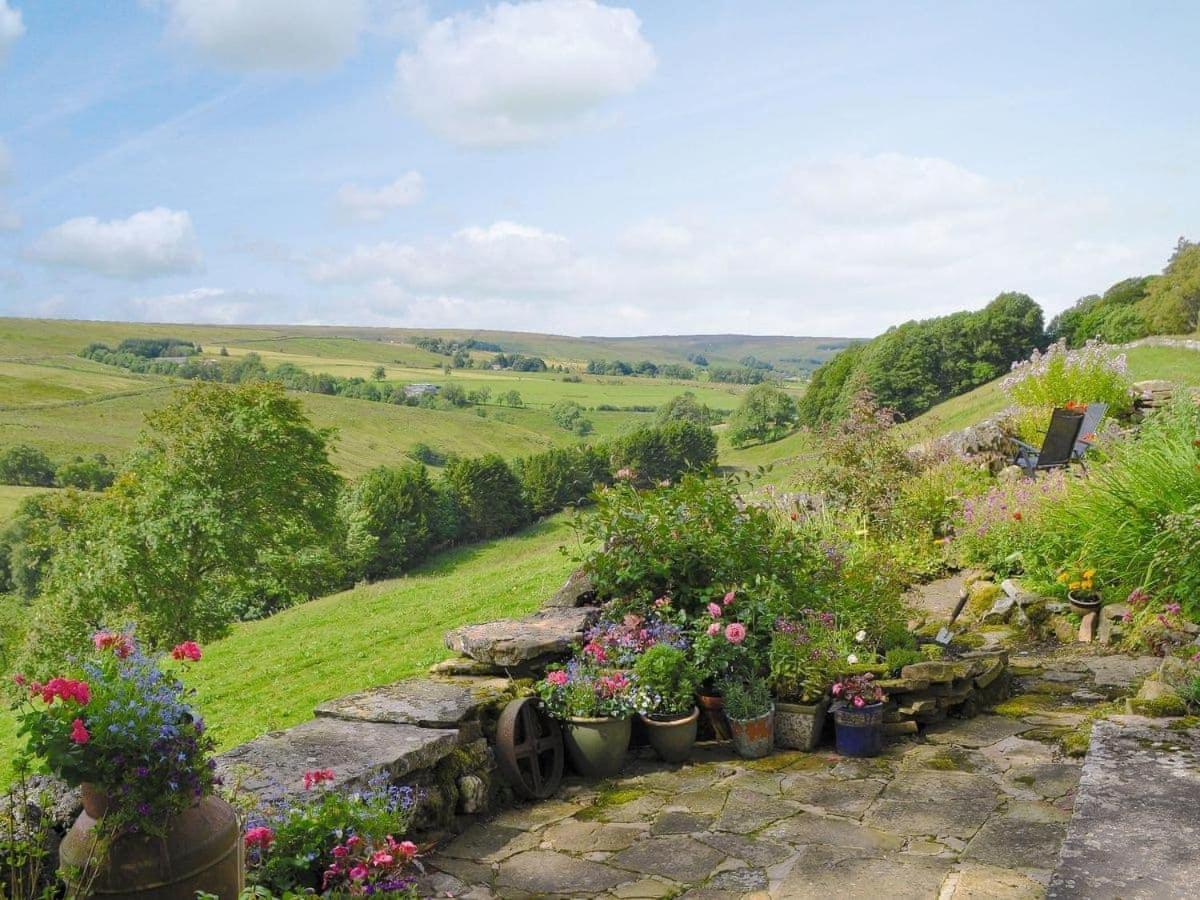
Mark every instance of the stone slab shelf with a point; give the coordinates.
(523, 645)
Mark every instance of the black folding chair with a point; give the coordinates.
(1058, 446)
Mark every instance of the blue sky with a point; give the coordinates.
(586, 168)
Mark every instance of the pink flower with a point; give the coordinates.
(624, 474)
(317, 776)
(381, 858)
(558, 678)
(19, 679)
(353, 841)
(262, 838)
(836, 689)
(714, 629)
(188, 650)
(79, 734)
(340, 852)
(859, 701)
(729, 598)
(120, 644)
(662, 603)
(359, 872)
(735, 633)
(714, 610)
(407, 850)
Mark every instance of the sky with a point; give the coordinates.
(576, 167)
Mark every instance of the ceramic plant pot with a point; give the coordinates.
(753, 738)
(798, 726)
(1084, 603)
(596, 747)
(201, 851)
(714, 714)
(672, 739)
(859, 729)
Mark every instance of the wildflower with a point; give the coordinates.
(861, 636)
(19, 679)
(729, 598)
(1017, 515)
(317, 776)
(735, 633)
(381, 858)
(624, 474)
(1173, 609)
(1137, 597)
(714, 610)
(79, 734)
(852, 659)
(188, 650)
(557, 678)
(120, 644)
(662, 603)
(714, 629)
(262, 837)
(359, 872)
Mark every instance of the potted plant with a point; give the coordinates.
(120, 727)
(594, 708)
(751, 716)
(801, 663)
(858, 715)
(665, 700)
(720, 651)
(1081, 589)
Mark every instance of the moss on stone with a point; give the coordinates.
(611, 795)
(1165, 706)
(968, 639)
(1024, 705)
(1076, 742)
(980, 597)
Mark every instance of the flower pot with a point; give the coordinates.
(596, 747)
(201, 851)
(714, 713)
(753, 738)
(798, 726)
(1084, 603)
(672, 739)
(859, 729)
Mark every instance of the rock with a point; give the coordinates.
(1087, 627)
(546, 872)
(1120, 671)
(993, 669)
(272, 767)
(1000, 612)
(899, 729)
(820, 873)
(976, 733)
(573, 836)
(527, 643)
(465, 667)
(472, 794)
(986, 443)
(1062, 628)
(892, 686)
(1010, 474)
(430, 703)
(941, 670)
(578, 591)
(748, 811)
(678, 857)
(934, 803)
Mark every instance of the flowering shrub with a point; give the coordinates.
(996, 529)
(857, 690)
(364, 868)
(580, 690)
(1092, 374)
(726, 640)
(293, 845)
(123, 724)
(804, 655)
(666, 682)
(619, 644)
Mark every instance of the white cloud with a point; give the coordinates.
(11, 27)
(522, 72)
(656, 237)
(9, 220)
(276, 35)
(202, 305)
(153, 242)
(372, 204)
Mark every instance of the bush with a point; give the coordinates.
(487, 496)
(569, 415)
(26, 465)
(393, 518)
(666, 681)
(655, 454)
(93, 474)
(430, 456)
(685, 408)
(1060, 376)
(558, 478)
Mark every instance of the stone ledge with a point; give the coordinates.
(427, 702)
(526, 643)
(272, 767)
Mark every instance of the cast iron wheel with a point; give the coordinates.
(529, 749)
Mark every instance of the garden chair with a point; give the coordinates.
(1087, 428)
(1058, 446)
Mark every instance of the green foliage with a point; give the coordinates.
(746, 699)
(667, 678)
(899, 657)
(765, 414)
(559, 478)
(23, 464)
(93, 474)
(393, 518)
(655, 454)
(806, 653)
(487, 495)
(430, 456)
(685, 408)
(28, 542)
(569, 415)
(916, 365)
(1172, 301)
(228, 510)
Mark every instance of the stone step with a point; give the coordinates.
(425, 702)
(523, 644)
(272, 767)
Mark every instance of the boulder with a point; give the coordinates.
(942, 670)
(1001, 611)
(523, 644)
(427, 702)
(578, 591)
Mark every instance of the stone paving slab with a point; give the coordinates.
(272, 767)
(428, 702)
(1141, 778)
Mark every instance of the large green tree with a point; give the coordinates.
(766, 413)
(227, 510)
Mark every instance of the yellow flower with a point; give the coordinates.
(1089, 574)
(1074, 585)
(1064, 578)
(1087, 584)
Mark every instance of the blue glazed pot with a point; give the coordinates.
(859, 729)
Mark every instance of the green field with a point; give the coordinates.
(11, 496)
(271, 673)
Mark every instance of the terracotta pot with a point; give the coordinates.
(798, 726)
(672, 739)
(714, 713)
(596, 747)
(202, 851)
(753, 738)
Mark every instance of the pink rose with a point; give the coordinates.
(836, 689)
(714, 629)
(729, 598)
(735, 633)
(714, 610)
(859, 701)
(359, 872)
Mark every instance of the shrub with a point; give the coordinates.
(804, 656)
(664, 453)
(666, 681)
(1060, 376)
(26, 465)
(430, 456)
(569, 415)
(93, 474)
(558, 478)
(487, 496)
(393, 518)
(685, 408)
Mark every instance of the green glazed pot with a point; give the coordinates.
(672, 739)
(596, 747)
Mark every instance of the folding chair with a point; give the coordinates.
(1058, 446)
